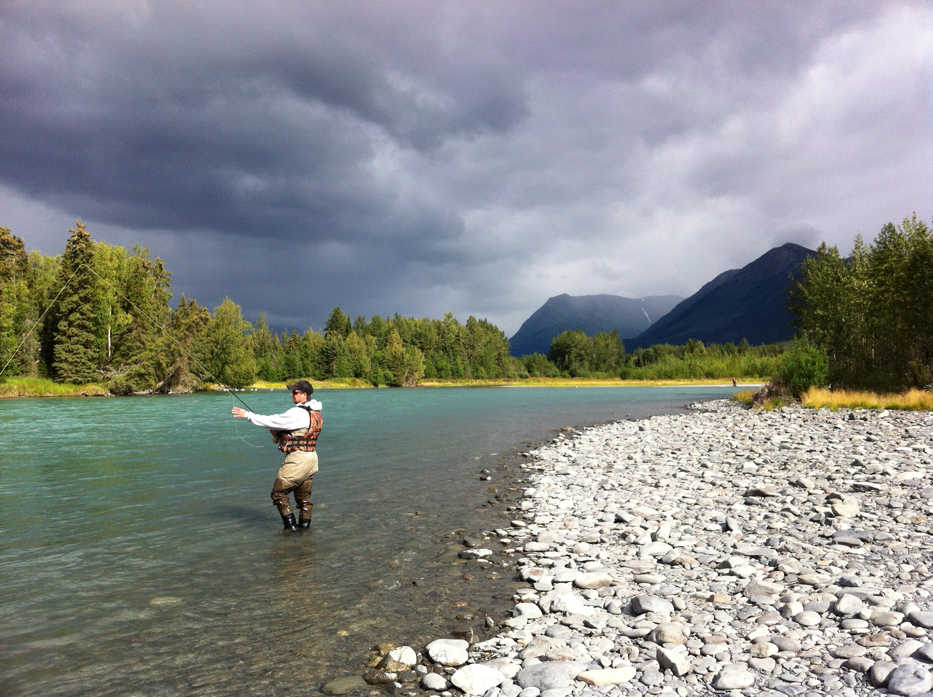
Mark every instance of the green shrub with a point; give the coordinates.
(120, 385)
(802, 367)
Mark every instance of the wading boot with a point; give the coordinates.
(289, 522)
(304, 523)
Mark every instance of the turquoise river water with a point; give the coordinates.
(140, 553)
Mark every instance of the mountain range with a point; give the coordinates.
(748, 303)
(591, 314)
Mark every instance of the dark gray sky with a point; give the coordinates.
(476, 157)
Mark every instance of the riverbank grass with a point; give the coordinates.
(14, 387)
(588, 382)
(746, 397)
(913, 400)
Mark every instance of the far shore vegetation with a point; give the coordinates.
(96, 320)
(19, 386)
(25, 386)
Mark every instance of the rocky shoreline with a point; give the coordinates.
(721, 551)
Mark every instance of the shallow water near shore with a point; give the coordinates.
(141, 554)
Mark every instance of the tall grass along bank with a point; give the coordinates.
(914, 400)
(43, 387)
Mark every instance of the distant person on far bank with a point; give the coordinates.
(295, 432)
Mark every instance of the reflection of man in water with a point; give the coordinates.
(295, 432)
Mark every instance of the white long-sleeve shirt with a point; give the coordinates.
(290, 420)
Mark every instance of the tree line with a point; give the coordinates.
(871, 314)
(575, 354)
(99, 313)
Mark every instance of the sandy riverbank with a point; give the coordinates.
(721, 551)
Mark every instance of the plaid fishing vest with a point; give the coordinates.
(304, 439)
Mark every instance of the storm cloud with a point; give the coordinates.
(424, 157)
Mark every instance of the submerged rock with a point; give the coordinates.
(343, 686)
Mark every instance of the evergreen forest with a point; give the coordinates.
(871, 314)
(101, 314)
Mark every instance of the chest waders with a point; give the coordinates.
(297, 470)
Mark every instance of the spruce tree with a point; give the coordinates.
(145, 311)
(184, 349)
(230, 357)
(338, 323)
(76, 341)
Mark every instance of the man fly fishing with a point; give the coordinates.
(295, 432)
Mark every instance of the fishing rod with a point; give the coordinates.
(201, 367)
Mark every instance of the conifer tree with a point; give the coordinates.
(267, 351)
(144, 306)
(872, 313)
(229, 355)
(337, 324)
(76, 341)
(312, 348)
(184, 349)
(292, 362)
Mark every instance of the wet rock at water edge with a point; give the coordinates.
(433, 681)
(475, 553)
(448, 652)
(378, 676)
